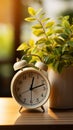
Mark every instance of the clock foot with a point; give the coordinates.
(20, 109)
(43, 108)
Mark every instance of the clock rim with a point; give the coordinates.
(15, 97)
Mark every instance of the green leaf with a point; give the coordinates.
(49, 41)
(49, 59)
(38, 11)
(60, 66)
(64, 48)
(65, 17)
(70, 43)
(66, 24)
(72, 28)
(40, 53)
(64, 36)
(56, 64)
(49, 49)
(31, 43)
(67, 57)
(67, 31)
(45, 19)
(58, 30)
(27, 58)
(40, 41)
(41, 15)
(34, 50)
(31, 11)
(30, 19)
(34, 59)
(49, 32)
(50, 24)
(57, 51)
(37, 26)
(38, 32)
(23, 46)
(59, 40)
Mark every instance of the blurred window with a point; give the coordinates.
(14, 30)
(55, 7)
(8, 42)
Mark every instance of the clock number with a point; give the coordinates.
(30, 75)
(31, 101)
(37, 76)
(44, 88)
(42, 81)
(19, 95)
(37, 99)
(24, 77)
(42, 95)
(24, 100)
(20, 82)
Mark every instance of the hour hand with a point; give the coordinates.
(32, 83)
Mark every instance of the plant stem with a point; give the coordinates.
(42, 27)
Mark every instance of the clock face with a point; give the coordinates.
(30, 88)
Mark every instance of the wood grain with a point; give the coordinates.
(9, 115)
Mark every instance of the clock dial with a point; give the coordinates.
(30, 88)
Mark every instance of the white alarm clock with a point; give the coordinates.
(30, 86)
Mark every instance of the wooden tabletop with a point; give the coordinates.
(9, 115)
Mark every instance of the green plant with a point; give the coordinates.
(54, 45)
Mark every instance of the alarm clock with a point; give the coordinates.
(30, 87)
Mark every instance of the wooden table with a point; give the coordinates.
(10, 117)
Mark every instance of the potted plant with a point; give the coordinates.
(54, 47)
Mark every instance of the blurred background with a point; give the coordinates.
(14, 30)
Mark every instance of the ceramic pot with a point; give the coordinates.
(61, 89)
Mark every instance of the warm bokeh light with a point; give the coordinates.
(14, 30)
(52, 114)
(6, 114)
(6, 41)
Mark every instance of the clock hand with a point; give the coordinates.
(31, 98)
(32, 83)
(38, 86)
(30, 87)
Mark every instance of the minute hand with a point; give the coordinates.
(38, 86)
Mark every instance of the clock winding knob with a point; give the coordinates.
(41, 65)
(20, 64)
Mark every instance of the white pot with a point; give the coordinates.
(61, 89)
